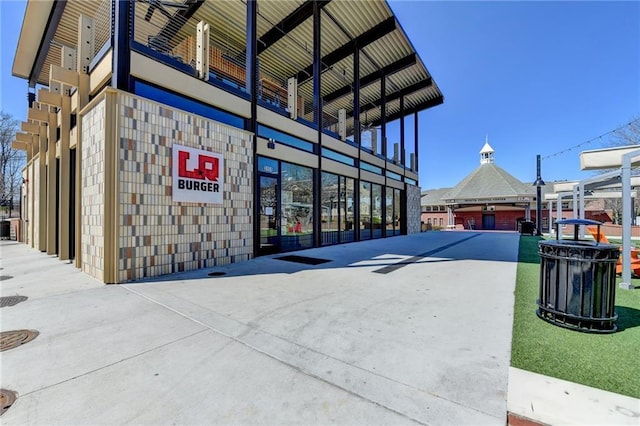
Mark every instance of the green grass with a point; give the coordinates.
(605, 361)
(634, 243)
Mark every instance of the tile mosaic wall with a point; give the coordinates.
(93, 180)
(413, 209)
(157, 235)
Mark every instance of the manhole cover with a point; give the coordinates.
(216, 274)
(303, 259)
(7, 398)
(11, 300)
(13, 339)
(5, 277)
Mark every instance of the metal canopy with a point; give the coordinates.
(291, 21)
(399, 65)
(365, 39)
(285, 46)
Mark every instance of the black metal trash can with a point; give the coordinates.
(578, 282)
(527, 227)
(5, 230)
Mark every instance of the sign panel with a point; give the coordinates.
(197, 175)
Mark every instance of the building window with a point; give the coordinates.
(370, 168)
(393, 175)
(336, 156)
(365, 210)
(285, 139)
(297, 206)
(186, 104)
(376, 210)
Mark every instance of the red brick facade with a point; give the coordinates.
(504, 220)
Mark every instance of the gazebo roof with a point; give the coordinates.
(488, 182)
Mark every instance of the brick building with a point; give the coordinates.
(490, 198)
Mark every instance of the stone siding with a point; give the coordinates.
(413, 209)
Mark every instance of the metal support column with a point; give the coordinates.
(123, 15)
(356, 134)
(383, 115)
(252, 122)
(317, 116)
(415, 138)
(403, 160)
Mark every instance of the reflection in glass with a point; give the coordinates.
(337, 209)
(297, 206)
(376, 210)
(347, 189)
(268, 215)
(390, 219)
(365, 210)
(330, 207)
(396, 211)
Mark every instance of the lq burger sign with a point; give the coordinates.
(197, 175)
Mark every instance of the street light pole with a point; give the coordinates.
(538, 183)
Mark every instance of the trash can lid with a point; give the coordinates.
(578, 222)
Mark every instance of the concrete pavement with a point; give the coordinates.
(404, 330)
(407, 330)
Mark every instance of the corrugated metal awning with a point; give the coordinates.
(285, 29)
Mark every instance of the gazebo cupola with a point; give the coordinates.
(486, 153)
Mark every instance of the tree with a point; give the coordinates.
(627, 135)
(11, 163)
(623, 136)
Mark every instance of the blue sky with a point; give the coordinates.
(536, 77)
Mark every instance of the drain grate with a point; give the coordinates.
(13, 339)
(303, 259)
(7, 398)
(11, 300)
(216, 274)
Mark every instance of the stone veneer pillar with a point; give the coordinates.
(413, 209)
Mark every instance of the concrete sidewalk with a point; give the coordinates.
(412, 329)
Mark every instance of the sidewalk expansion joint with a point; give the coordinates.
(253, 329)
(116, 362)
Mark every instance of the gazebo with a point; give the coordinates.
(489, 198)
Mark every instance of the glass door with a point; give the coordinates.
(269, 215)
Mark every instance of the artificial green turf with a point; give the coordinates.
(605, 361)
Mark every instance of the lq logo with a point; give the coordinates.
(197, 175)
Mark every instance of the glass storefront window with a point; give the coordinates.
(268, 165)
(376, 210)
(396, 211)
(347, 207)
(330, 202)
(365, 210)
(297, 206)
(390, 219)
